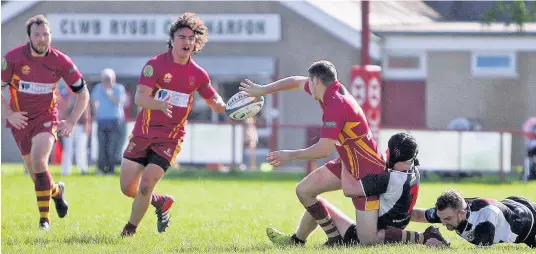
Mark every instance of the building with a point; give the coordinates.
(433, 71)
(258, 40)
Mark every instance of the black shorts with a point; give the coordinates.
(531, 238)
(151, 158)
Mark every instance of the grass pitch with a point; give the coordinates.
(212, 213)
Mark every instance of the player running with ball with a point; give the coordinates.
(165, 92)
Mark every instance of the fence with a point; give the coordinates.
(440, 150)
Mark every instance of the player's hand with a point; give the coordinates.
(166, 107)
(277, 158)
(252, 89)
(19, 120)
(65, 128)
(109, 91)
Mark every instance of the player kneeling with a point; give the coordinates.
(398, 191)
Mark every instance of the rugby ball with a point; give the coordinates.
(241, 106)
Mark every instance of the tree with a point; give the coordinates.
(513, 12)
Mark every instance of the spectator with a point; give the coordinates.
(460, 124)
(108, 98)
(465, 124)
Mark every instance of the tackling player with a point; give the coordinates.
(31, 73)
(398, 190)
(165, 92)
(484, 221)
(345, 127)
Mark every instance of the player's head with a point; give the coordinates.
(321, 75)
(187, 34)
(451, 209)
(402, 151)
(38, 30)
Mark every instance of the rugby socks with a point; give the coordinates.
(396, 235)
(320, 213)
(43, 193)
(157, 200)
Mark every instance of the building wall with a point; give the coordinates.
(500, 103)
(301, 43)
(403, 104)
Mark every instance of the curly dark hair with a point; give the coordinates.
(450, 199)
(37, 19)
(190, 20)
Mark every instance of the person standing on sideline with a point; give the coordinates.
(108, 98)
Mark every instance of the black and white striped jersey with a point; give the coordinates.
(490, 221)
(398, 191)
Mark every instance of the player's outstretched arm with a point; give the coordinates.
(288, 83)
(144, 99)
(216, 104)
(425, 216)
(322, 149)
(417, 215)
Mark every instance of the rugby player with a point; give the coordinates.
(31, 73)
(484, 221)
(165, 93)
(398, 190)
(344, 127)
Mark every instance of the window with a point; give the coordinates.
(403, 62)
(404, 65)
(493, 64)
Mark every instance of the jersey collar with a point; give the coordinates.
(332, 89)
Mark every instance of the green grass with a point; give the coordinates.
(212, 213)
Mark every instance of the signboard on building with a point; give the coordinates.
(366, 88)
(239, 27)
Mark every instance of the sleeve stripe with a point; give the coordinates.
(77, 83)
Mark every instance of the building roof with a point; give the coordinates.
(454, 28)
(343, 18)
(12, 9)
